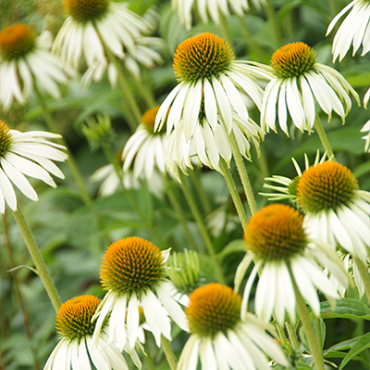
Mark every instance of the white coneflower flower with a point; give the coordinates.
(298, 82)
(25, 60)
(143, 54)
(287, 188)
(215, 9)
(208, 144)
(209, 102)
(366, 127)
(277, 241)
(134, 273)
(355, 29)
(220, 339)
(335, 209)
(76, 348)
(30, 154)
(145, 149)
(93, 25)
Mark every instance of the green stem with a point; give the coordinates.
(262, 164)
(170, 356)
(362, 268)
(225, 172)
(37, 259)
(149, 360)
(177, 207)
(281, 332)
(203, 231)
(130, 99)
(322, 135)
(254, 47)
(111, 158)
(243, 173)
(18, 291)
(225, 30)
(145, 92)
(201, 193)
(318, 333)
(274, 20)
(307, 327)
(292, 336)
(71, 161)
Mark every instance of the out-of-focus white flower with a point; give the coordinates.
(92, 26)
(25, 61)
(355, 29)
(214, 8)
(30, 154)
(298, 81)
(366, 127)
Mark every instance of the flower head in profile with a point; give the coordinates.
(215, 9)
(286, 187)
(336, 210)
(76, 348)
(97, 27)
(144, 152)
(299, 83)
(283, 253)
(220, 338)
(25, 60)
(30, 154)
(134, 274)
(209, 102)
(354, 30)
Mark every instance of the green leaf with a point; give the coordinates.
(25, 266)
(347, 344)
(346, 308)
(233, 247)
(303, 366)
(361, 345)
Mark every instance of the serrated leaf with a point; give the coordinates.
(361, 345)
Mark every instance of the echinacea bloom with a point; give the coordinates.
(355, 29)
(25, 61)
(30, 154)
(220, 338)
(336, 211)
(277, 242)
(144, 54)
(298, 82)
(92, 27)
(134, 274)
(287, 187)
(76, 348)
(214, 8)
(145, 149)
(210, 101)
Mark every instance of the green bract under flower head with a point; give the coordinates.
(293, 60)
(325, 186)
(202, 56)
(74, 317)
(5, 139)
(213, 308)
(132, 265)
(83, 11)
(16, 41)
(275, 233)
